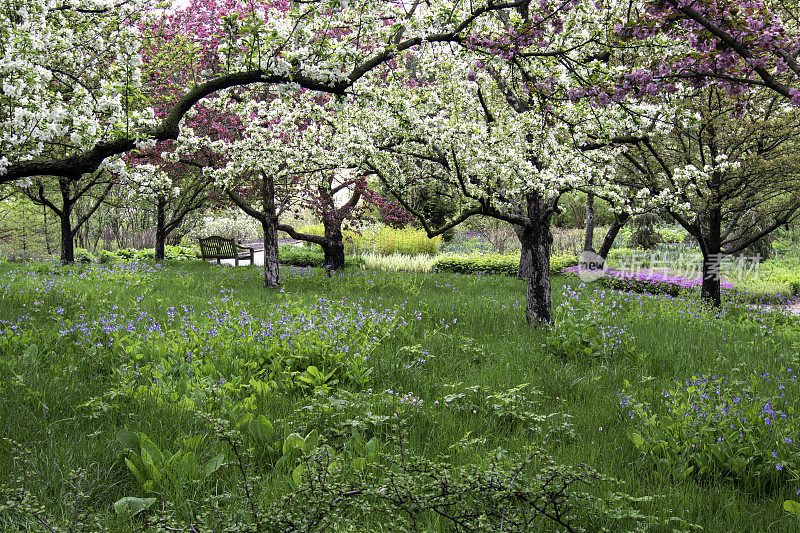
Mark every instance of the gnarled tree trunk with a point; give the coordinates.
(334, 246)
(272, 275)
(536, 241)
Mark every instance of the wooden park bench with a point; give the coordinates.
(216, 247)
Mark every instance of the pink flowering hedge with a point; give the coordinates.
(646, 281)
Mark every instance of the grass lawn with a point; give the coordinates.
(163, 384)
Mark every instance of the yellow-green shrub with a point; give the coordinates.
(407, 241)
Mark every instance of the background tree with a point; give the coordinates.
(494, 159)
(62, 196)
(327, 205)
(731, 173)
(291, 157)
(174, 191)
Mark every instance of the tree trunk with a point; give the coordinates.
(67, 243)
(272, 275)
(525, 257)
(536, 241)
(161, 232)
(46, 231)
(711, 290)
(611, 236)
(334, 249)
(588, 241)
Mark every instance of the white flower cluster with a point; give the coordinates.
(66, 69)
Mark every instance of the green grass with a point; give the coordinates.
(66, 402)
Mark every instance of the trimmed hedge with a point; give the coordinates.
(477, 264)
(507, 264)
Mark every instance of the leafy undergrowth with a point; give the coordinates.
(187, 397)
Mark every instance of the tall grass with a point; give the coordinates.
(71, 381)
(407, 241)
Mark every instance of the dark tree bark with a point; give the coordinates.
(332, 217)
(619, 222)
(333, 248)
(536, 240)
(272, 274)
(711, 290)
(70, 192)
(161, 232)
(171, 212)
(67, 243)
(526, 257)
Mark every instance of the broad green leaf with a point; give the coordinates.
(359, 463)
(297, 474)
(152, 449)
(140, 478)
(213, 465)
(792, 506)
(132, 506)
(129, 440)
(311, 441)
(150, 467)
(292, 441)
(261, 428)
(636, 438)
(31, 351)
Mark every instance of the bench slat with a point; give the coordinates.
(216, 247)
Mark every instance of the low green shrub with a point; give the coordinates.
(507, 264)
(588, 337)
(106, 256)
(780, 274)
(561, 261)
(478, 264)
(672, 234)
(170, 252)
(84, 256)
(762, 291)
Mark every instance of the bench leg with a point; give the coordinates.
(218, 262)
(236, 260)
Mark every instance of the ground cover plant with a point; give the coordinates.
(138, 396)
